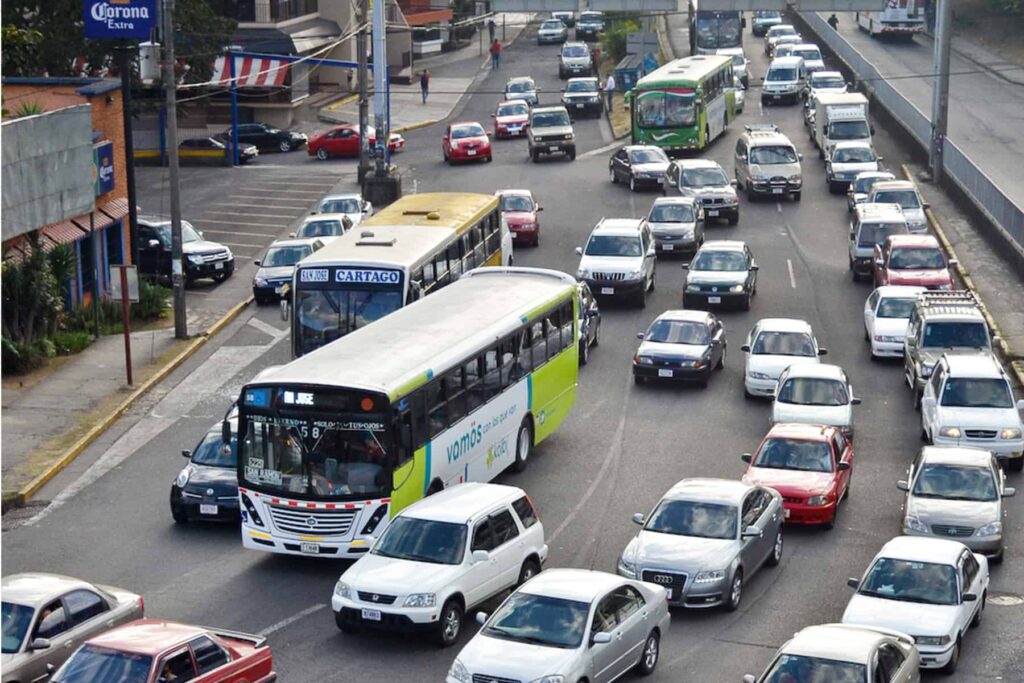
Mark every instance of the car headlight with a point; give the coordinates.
(709, 576)
(912, 523)
(582, 274)
(736, 288)
(231, 256)
(692, 288)
(644, 360)
(990, 529)
(570, 136)
(459, 673)
(884, 339)
(944, 288)
(951, 432)
(627, 568)
(932, 640)
(183, 477)
(259, 281)
(342, 589)
(195, 259)
(634, 275)
(795, 178)
(551, 678)
(926, 370)
(759, 375)
(818, 500)
(421, 600)
(1011, 433)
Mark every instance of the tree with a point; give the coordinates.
(19, 46)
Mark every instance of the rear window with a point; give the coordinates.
(526, 512)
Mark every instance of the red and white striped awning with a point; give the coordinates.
(251, 72)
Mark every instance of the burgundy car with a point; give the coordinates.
(343, 141)
(511, 119)
(466, 141)
(520, 210)
(915, 260)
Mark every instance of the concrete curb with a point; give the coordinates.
(339, 103)
(1015, 365)
(415, 126)
(26, 492)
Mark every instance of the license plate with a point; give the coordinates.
(218, 266)
(514, 131)
(371, 614)
(664, 373)
(310, 548)
(607, 290)
(579, 106)
(714, 299)
(776, 190)
(668, 247)
(471, 152)
(785, 513)
(553, 148)
(775, 97)
(712, 212)
(207, 509)
(669, 591)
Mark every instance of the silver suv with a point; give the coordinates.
(574, 60)
(767, 164)
(550, 132)
(706, 182)
(619, 259)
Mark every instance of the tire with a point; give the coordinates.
(436, 486)
(584, 352)
(597, 342)
(344, 626)
(572, 155)
(284, 146)
(1015, 464)
(735, 592)
(954, 660)
(490, 158)
(833, 188)
(748, 396)
(776, 557)
(746, 303)
(322, 154)
(976, 621)
(733, 220)
(831, 524)
(178, 515)
(641, 298)
(611, 176)
(750, 194)
(534, 155)
(917, 397)
(796, 196)
(649, 655)
(721, 360)
(529, 570)
(449, 624)
(221, 277)
(524, 444)
(638, 380)
(705, 380)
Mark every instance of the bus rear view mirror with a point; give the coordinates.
(285, 310)
(225, 431)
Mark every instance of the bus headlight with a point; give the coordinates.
(254, 516)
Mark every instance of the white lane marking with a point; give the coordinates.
(275, 224)
(236, 232)
(778, 206)
(244, 245)
(298, 200)
(284, 623)
(254, 205)
(268, 329)
(601, 150)
(289, 216)
(792, 277)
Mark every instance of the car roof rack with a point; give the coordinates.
(948, 298)
(761, 127)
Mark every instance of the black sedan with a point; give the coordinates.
(638, 165)
(207, 488)
(680, 345)
(268, 138)
(590, 322)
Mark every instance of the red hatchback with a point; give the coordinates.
(156, 651)
(343, 141)
(810, 465)
(520, 210)
(511, 119)
(466, 141)
(914, 260)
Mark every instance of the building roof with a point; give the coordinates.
(462, 503)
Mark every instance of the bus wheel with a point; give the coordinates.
(436, 486)
(524, 444)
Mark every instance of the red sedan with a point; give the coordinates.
(914, 260)
(511, 119)
(520, 210)
(810, 465)
(466, 141)
(343, 141)
(155, 651)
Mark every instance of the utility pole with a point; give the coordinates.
(170, 87)
(364, 143)
(125, 67)
(380, 86)
(940, 86)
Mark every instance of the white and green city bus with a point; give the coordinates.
(456, 387)
(685, 104)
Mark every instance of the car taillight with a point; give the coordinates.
(142, 604)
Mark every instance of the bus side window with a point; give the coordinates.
(474, 387)
(435, 404)
(405, 439)
(508, 353)
(441, 269)
(492, 373)
(538, 344)
(428, 276)
(418, 409)
(492, 225)
(479, 244)
(553, 333)
(568, 325)
(455, 390)
(468, 256)
(454, 260)
(524, 363)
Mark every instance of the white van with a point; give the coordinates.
(784, 81)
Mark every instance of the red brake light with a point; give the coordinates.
(142, 605)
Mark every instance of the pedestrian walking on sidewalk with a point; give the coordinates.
(491, 28)
(495, 54)
(425, 84)
(833, 21)
(609, 90)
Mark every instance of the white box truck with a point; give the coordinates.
(839, 117)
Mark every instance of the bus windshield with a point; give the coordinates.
(718, 29)
(662, 109)
(324, 315)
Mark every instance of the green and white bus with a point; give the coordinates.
(455, 387)
(685, 104)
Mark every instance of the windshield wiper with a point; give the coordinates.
(419, 558)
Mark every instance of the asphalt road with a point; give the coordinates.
(621, 448)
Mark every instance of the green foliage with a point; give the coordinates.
(18, 358)
(1007, 6)
(33, 294)
(153, 301)
(27, 109)
(18, 47)
(71, 342)
(613, 41)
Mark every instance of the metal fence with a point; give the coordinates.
(1002, 211)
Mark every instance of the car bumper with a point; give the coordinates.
(708, 299)
(984, 545)
(615, 288)
(760, 387)
(555, 147)
(887, 349)
(551, 38)
(192, 507)
(1002, 448)
(713, 212)
(524, 234)
(669, 245)
(933, 657)
(576, 68)
(863, 266)
(464, 155)
(767, 189)
(791, 96)
(271, 290)
(673, 373)
(391, 617)
(802, 513)
(510, 131)
(209, 269)
(584, 107)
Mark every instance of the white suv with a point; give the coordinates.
(619, 259)
(968, 401)
(439, 558)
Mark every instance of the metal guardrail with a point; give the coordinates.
(1002, 211)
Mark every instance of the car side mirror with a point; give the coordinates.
(601, 638)
(638, 518)
(925, 205)
(685, 266)
(539, 209)
(903, 485)
(1020, 404)
(842, 466)
(969, 597)
(749, 678)
(822, 352)
(579, 250)
(800, 156)
(153, 244)
(494, 116)
(879, 262)
(640, 335)
(745, 347)
(747, 457)
(479, 556)
(186, 453)
(291, 234)
(853, 583)
(481, 618)
(953, 262)
(855, 401)
(40, 644)
(256, 263)
(752, 532)
(733, 183)
(754, 266)
(872, 129)
(1009, 492)
(444, 138)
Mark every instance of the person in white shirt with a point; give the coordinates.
(609, 89)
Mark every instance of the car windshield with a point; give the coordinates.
(849, 130)
(809, 54)
(16, 621)
(773, 154)
(647, 156)
(661, 109)
(423, 540)
(552, 24)
(892, 307)
(863, 185)
(188, 233)
(211, 452)
(321, 228)
(909, 581)
(613, 245)
(704, 177)
(795, 454)
(581, 86)
(875, 233)
(92, 663)
(677, 332)
(516, 202)
(854, 155)
(956, 482)
(950, 335)
(767, 14)
(916, 258)
(790, 668)
(521, 86)
(692, 518)
(539, 620)
(781, 73)
(473, 130)
(548, 119)
(783, 344)
(574, 51)
(285, 256)
(982, 392)
(514, 109)
(776, 31)
(813, 391)
(732, 261)
(827, 82)
(783, 50)
(671, 213)
(907, 199)
(347, 205)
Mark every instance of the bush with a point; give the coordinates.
(72, 342)
(153, 301)
(19, 358)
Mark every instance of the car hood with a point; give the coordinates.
(993, 418)
(512, 660)
(930, 356)
(390, 576)
(223, 480)
(907, 617)
(652, 167)
(520, 217)
(580, 95)
(791, 482)
(551, 130)
(612, 264)
(773, 365)
(275, 272)
(672, 227)
(953, 512)
(891, 327)
(774, 170)
(476, 140)
(515, 119)
(854, 167)
(660, 349)
(839, 416)
(716, 277)
(686, 553)
(930, 276)
(202, 247)
(712, 191)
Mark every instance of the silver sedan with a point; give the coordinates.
(568, 625)
(704, 539)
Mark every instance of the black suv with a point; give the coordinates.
(267, 137)
(200, 257)
(589, 26)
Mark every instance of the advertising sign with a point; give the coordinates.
(111, 19)
(103, 166)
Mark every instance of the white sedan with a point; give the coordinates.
(818, 394)
(886, 315)
(846, 161)
(772, 346)
(930, 588)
